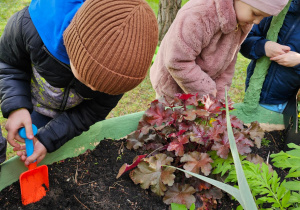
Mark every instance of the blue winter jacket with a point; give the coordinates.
(51, 18)
(281, 83)
(22, 48)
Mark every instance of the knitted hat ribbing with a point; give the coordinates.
(111, 43)
(271, 7)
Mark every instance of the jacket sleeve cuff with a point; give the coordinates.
(258, 49)
(48, 138)
(10, 105)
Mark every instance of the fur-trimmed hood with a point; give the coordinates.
(226, 15)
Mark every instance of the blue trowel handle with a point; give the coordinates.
(28, 142)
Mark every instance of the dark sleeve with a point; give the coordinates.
(3, 145)
(73, 122)
(297, 67)
(254, 45)
(15, 67)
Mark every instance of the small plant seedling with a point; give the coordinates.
(119, 157)
(265, 142)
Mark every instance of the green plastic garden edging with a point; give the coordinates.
(114, 128)
(267, 119)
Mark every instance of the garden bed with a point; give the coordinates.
(89, 181)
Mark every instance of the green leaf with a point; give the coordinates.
(294, 152)
(294, 162)
(268, 199)
(264, 191)
(292, 145)
(295, 198)
(177, 206)
(231, 177)
(292, 185)
(294, 174)
(193, 207)
(239, 207)
(280, 192)
(274, 182)
(248, 201)
(286, 199)
(220, 165)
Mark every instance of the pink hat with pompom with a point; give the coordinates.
(271, 7)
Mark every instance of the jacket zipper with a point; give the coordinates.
(61, 63)
(66, 96)
(67, 89)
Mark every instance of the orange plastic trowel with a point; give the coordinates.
(34, 183)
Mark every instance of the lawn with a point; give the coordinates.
(139, 98)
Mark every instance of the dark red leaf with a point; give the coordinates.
(125, 167)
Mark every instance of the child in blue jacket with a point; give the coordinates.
(283, 78)
(65, 64)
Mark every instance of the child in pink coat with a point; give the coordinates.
(199, 51)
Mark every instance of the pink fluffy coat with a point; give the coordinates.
(198, 53)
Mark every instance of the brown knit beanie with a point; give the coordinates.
(111, 43)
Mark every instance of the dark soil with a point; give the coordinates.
(89, 182)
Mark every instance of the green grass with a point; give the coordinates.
(237, 89)
(8, 8)
(139, 98)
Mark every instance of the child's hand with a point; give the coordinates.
(274, 49)
(289, 59)
(38, 154)
(17, 119)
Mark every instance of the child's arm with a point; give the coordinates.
(15, 74)
(253, 46)
(69, 124)
(15, 68)
(74, 121)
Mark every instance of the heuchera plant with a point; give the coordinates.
(183, 134)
